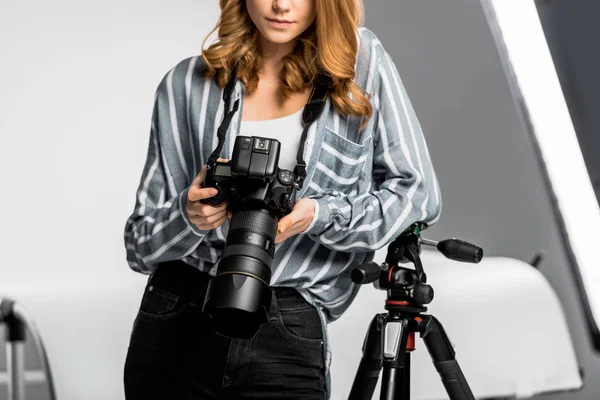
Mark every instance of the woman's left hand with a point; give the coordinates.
(296, 221)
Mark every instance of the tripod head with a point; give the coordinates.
(407, 287)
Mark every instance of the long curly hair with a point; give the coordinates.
(329, 46)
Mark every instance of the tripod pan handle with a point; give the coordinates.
(366, 273)
(460, 250)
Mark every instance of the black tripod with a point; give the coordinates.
(391, 336)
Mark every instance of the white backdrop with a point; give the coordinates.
(78, 81)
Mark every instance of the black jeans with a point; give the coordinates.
(175, 354)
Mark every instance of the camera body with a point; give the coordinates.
(252, 179)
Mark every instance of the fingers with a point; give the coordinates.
(285, 223)
(283, 229)
(282, 236)
(205, 216)
(205, 210)
(198, 193)
(217, 223)
(208, 220)
(211, 222)
(297, 221)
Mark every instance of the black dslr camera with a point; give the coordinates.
(258, 193)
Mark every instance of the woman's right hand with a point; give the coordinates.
(204, 216)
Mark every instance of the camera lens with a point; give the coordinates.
(238, 298)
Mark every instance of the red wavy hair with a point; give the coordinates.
(328, 45)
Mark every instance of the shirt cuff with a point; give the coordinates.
(321, 218)
(183, 208)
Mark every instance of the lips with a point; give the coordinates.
(279, 24)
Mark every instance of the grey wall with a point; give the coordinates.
(491, 187)
(572, 30)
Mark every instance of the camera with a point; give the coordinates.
(258, 193)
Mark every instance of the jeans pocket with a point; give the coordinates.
(164, 328)
(159, 304)
(303, 325)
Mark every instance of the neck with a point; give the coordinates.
(272, 55)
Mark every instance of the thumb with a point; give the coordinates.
(197, 191)
(199, 179)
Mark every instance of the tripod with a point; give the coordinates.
(391, 336)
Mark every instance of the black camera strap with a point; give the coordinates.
(222, 131)
(312, 110)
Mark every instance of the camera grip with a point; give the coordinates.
(214, 201)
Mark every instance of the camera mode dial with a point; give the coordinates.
(285, 177)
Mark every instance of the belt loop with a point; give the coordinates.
(273, 312)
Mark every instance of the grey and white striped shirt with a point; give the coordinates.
(368, 185)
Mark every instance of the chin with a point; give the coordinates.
(280, 38)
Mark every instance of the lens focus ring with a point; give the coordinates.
(254, 221)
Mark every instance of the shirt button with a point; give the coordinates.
(311, 142)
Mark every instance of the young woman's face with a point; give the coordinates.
(296, 14)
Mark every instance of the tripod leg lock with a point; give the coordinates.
(393, 337)
(442, 353)
(454, 381)
(433, 332)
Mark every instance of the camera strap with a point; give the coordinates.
(312, 110)
(222, 131)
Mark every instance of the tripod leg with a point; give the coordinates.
(395, 383)
(443, 356)
(406, 378)
(370, 363)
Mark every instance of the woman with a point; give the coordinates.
(368, 178)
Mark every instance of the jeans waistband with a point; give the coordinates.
(181, 279)
(187, 281)
(287, 299)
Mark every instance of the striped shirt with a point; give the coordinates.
(368, 185)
